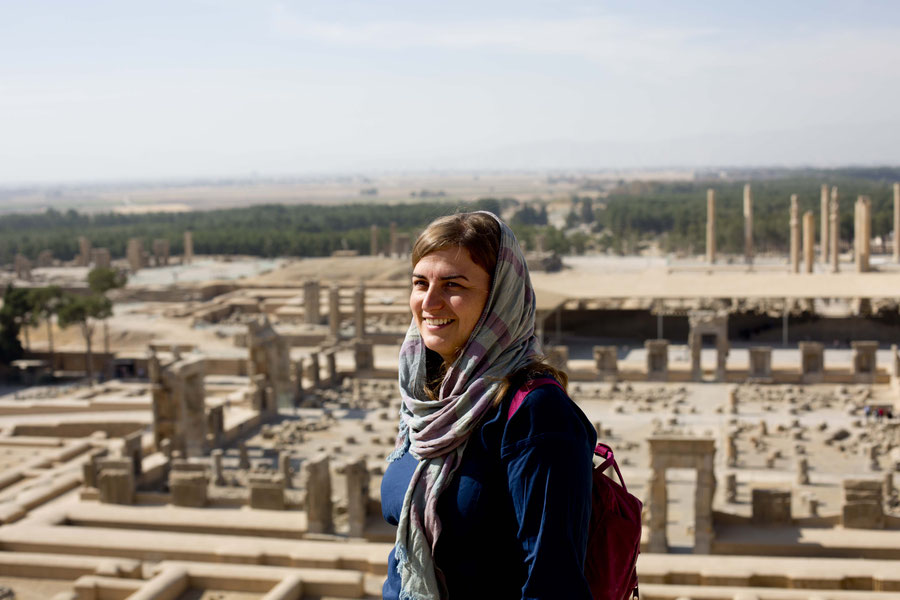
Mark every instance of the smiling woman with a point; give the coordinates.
(489, 501)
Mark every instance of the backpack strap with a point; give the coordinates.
(526, 389)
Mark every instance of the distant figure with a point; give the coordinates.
(868, 411)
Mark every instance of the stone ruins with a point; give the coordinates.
(753, 403)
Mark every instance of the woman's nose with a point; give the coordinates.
(432, 298)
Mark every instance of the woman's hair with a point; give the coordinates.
(479, 233)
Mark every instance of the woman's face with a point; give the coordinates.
(449, 292)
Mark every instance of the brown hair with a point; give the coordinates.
(479, 233)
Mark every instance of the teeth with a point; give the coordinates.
(437, 321)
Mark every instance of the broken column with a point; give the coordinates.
(188, 254)
(864, 361)
(392, 248)
(606, 361)
(862, 507)
(732, 400)
(115, 480)
(862, 233)
(771, 506)
(359, 312)
(657, 359)
(834, 238)
(730, 487)
(269, 356)
(795, 235)
(179, 403)
(363, 355)
(802, 471)
(188, 483)
(84, 252)
(356, 475)
(161, 252)
(312, 370)
(760, 364)
(218, 470)
(823, 223)
(101, 258)
(334, 313)
(710, 226)
(23, 267)
(135, 255)
(331, 367)
(809, 241)
(373, 240)
(317, 482)
(812, 362)
(748, 224)
(311, 314)
(266, 491)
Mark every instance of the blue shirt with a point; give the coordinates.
(515, 517)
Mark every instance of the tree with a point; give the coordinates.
(83, 311)
(46, 302)
(15, 307)
(101, 280)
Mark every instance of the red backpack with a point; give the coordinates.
(614, 534)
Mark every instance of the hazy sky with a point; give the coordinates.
(128, 89)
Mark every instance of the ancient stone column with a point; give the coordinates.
(331, 367)
(115, 480)
(823, 223)
(244, 456)
(101, 257)
(795, 235)
(313, 373)
(897, 222)
(809, 241)
(317, 481)
(311, 314)
(218, 471)
(334, 312)
(730, 487)
(393, 247)
(356, 475)
(748, 224)
(266, 491)
(84, 252)
(710, 226)
(188, 256)
(861, 233)
(135, 254)
(284, 467)
(834, 240)
(359, 312)
(802, 471)
(373, 240)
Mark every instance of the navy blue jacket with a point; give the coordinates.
(515, 517)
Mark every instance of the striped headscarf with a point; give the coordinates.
(436, 431)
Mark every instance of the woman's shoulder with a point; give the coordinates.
(545, 412)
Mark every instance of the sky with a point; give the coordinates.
(141, 90)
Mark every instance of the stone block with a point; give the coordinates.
(188, 488)
(267, 492)
(771, 506)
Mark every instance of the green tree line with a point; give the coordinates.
(264, 230)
